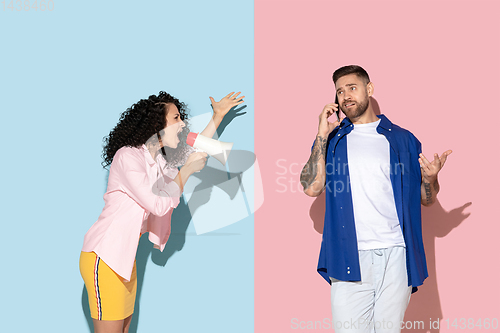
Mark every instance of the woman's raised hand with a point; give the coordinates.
(222, 107)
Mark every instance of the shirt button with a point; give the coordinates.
(338, 134)
(389, 129)
(340, 207)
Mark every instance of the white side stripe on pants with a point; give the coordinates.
(96, 287)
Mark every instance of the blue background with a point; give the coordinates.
(66, 75)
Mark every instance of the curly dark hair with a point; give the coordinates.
(140, 122)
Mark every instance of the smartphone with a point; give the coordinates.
(338, 107)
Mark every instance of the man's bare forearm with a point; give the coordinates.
(429, 191)
(313, 174)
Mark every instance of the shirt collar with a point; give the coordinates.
(385, 123)
(149, 158)
(345, 122)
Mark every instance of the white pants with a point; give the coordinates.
(378, 302)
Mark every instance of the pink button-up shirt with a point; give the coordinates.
(140, 197)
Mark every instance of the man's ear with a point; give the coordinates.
(370, 88)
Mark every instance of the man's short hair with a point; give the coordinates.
(351, 69)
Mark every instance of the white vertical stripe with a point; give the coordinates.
(96, 286)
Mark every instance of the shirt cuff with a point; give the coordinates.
(167, 187)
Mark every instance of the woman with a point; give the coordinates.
(144, 186)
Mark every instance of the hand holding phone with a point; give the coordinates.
(338, 108)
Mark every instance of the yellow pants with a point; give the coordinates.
(110, 298)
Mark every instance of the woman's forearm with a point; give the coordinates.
(212, 126)
(182, 177)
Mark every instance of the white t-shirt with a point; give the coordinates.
(375, 215)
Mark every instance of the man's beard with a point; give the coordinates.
(358, 111)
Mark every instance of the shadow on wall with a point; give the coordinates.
(424, 309)
(425, 305)
(375, 106)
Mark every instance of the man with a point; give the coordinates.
(375, 178)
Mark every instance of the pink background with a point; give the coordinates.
(435, 66)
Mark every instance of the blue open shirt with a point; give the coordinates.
(338, 256)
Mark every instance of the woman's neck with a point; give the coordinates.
(154, 149)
